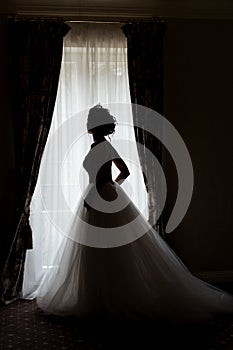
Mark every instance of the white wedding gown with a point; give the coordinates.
(115, 265)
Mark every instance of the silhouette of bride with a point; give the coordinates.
(108, 267)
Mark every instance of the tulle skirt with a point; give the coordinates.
(115, 265)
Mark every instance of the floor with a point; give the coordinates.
(23, 326)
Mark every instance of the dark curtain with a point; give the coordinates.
(35, 59)
(145, 67)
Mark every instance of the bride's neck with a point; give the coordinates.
(98, 138)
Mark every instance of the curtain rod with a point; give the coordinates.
(74, 19)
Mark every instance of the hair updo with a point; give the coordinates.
(100, 121)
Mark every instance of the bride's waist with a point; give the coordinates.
(102, 182)
(102, 186)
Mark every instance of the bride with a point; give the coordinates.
(109, 269)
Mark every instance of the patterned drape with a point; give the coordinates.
(145, 67)
(36, 54)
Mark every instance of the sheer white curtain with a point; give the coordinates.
(94, 70)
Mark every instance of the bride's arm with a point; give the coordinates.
(124, 171)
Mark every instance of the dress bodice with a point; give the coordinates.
(98, 162)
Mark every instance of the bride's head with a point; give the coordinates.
(100, 121)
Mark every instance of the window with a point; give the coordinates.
(94, 70)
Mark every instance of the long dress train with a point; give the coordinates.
(114, 264)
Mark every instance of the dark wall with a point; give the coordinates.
(199, 102)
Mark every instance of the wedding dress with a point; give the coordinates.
(114, 264)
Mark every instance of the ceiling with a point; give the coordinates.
(218, 9)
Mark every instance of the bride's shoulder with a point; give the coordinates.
(109, 145)
(112, 149)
